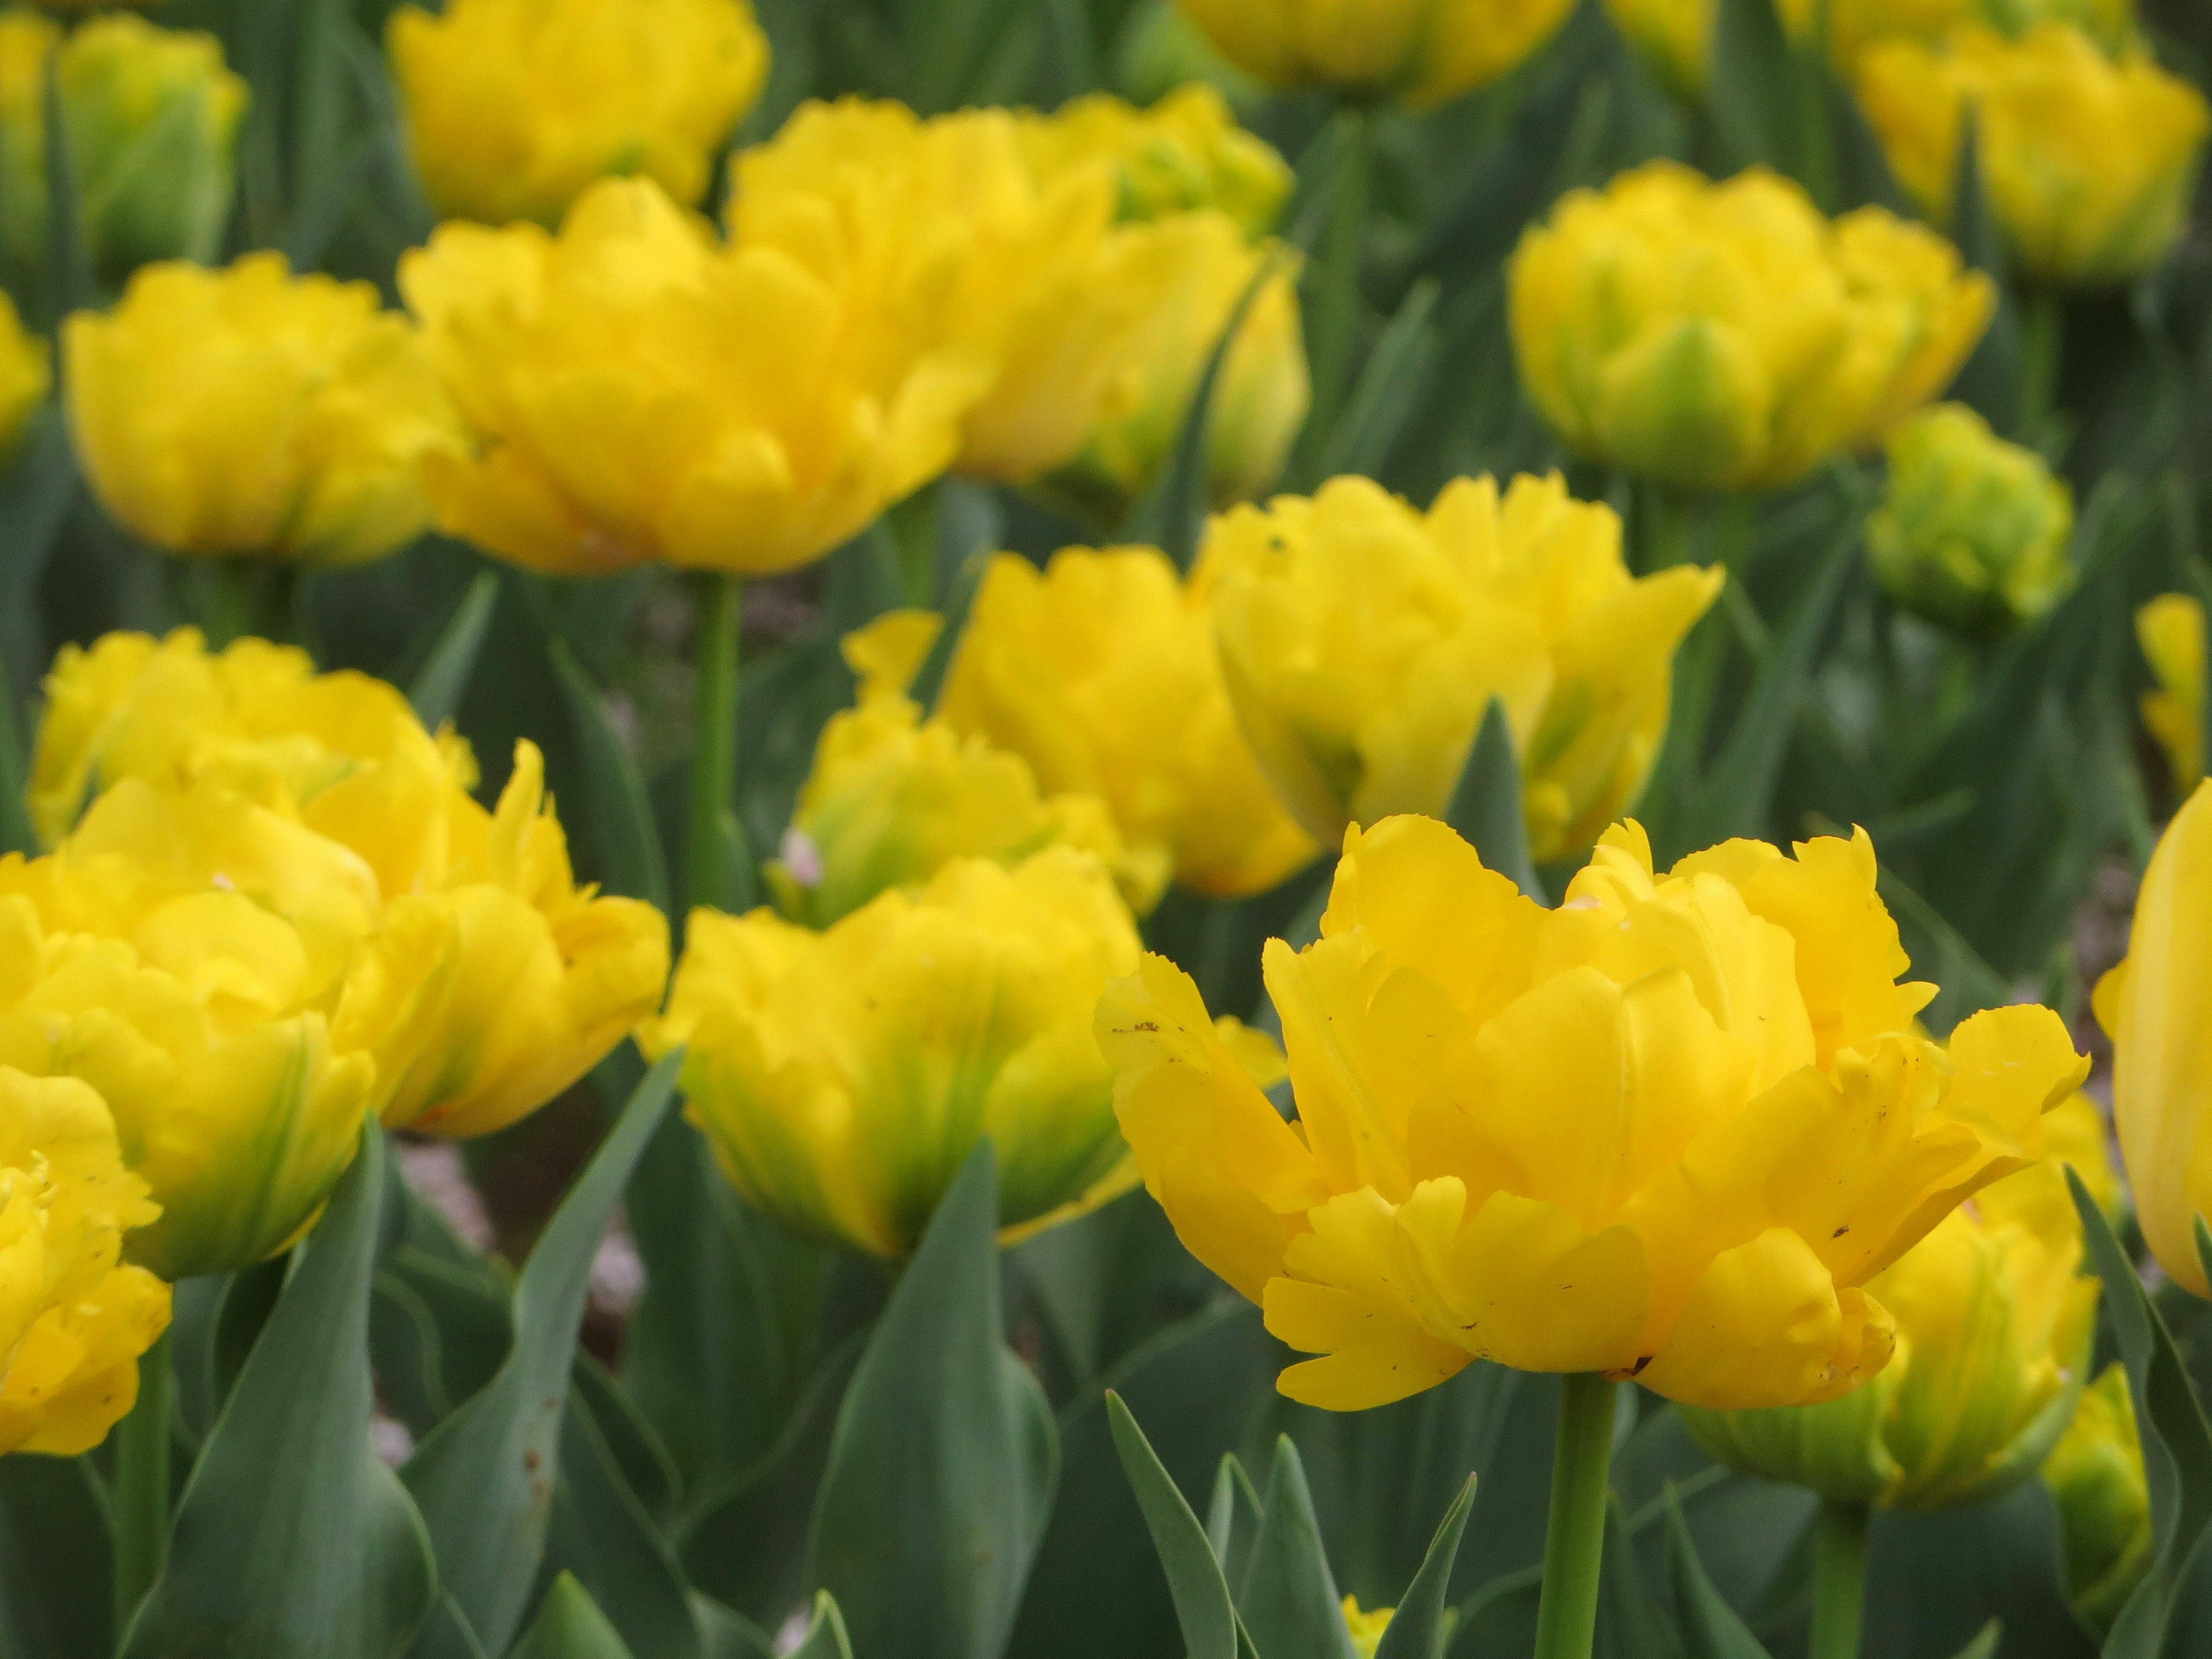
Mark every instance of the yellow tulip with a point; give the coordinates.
(636, 391)
(1363, 641)
(1726, 335)
(1184, 154)
(1973, 531)
(2170, 631)
(2096, 1478)
(26, 377)
(73, 1318)
(514, 107)
(2154, 1007)
(248, 412)
(2090, 163)
(843, 1076)
(1424, 52)
(1993, 1323)
(1187, 273)
(1668, 1130)
(1366, 1628)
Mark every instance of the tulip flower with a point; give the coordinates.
(249, 412)
(1726, 335)
(514, 107)
(1973, 531)
(1100, 671)
(1424, 51)
(1366, 1628)
(2097, 1481)
(2154, 1007)
(1994, 1322)
(636, 392)
(1184, 155)
(1363, 641)
(1671, 1130)
(2090, 162)
(2170, 631)
(842, 1076)
(73, 1318)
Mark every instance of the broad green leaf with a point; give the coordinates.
(55, 1560)
(1710, 1627)
(1486, 805)
(942, 1471)
(319, 175)
(929, 679)
(1632, 1622)
(569, 1625)
(1287, 1598)
(1384, 397)
(16, 832)
(1232, 1518)
(1749, 91)
(69, 265)
(729, 1635)
(1422, 1626)
(438, 685)
(38, 492)
(484, 1477)
(1203, 1606)
(292, 1541)
(621, 812)
(1985, 1646)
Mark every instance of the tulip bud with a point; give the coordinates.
(1973, 530)
(1993, 1323)
(1672, 1129)
(1366, 1628)
(1726, 335)
(2170, 631)
(514, 107)
(2090, 163)
(2096, 1478)
(73, 1319)
(1363, 642)
(1102, 673)
(1424, 51)
(246, 412)
(843, 1076)
(1184, 154)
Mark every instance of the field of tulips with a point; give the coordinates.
(1105, 830)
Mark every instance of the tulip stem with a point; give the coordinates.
(713, 840)
(1336, 303)
(2042, 345)
(1574, 1542)
(142, 1488)
(1839, 1567)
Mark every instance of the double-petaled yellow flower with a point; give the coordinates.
(1363, 641)
(1973, 531)
(2170, 631)
(1670, 1130)
(73, 1318)
(636, 391)
(514, 107)
(1424, 52)
(843, 1076)
(1101, 672)
(1184, 154)
(1728, 336)
(248, 412)
(2091, 162)
(2157, 1008)
(1993, 1323)
(2097, 1481)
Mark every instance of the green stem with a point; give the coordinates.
(142, 1488)
(229, 600)
(1574, 1542)
(1840, 1564)
(714, 744)
(1667, 534)
(1336, 302)
(2042, 344)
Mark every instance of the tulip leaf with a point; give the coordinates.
(69, 263)
(438, 685)
(1749, 90)
(569, 1625)
(1984, 1645)
(16, 835)
(942, 1471)
(55, 1547)
(1382, 399)
(826, 1637)
(484, 1477)
(1710, 1627)
(448, 1632)
(1632, 1621)
(960, 599)
(292, 1539)
(1422, 1627)
(1211, 1628)
(1486, 805)
(2177, 1443)
(1288, 1598)
(622, 812)
(1232, 1517)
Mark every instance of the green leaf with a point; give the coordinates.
(1632, 1621)
(1203, 1606)
(1387, 389)
(942, 1471)
(1985, 1646)
(16, 835)
(70, 264)
(622, 812)
(1422, 1626)
(292, 1539)
(929, 679)
(1232, 1517)
(826, 1638)
(321, 174)
(484, 1477)
(569, 1625)
(1486, 805)
(438, 685)
(1748, 92)
(56, 1556)
(1288, 1599)
(1710, 1627)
